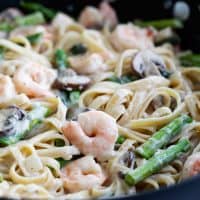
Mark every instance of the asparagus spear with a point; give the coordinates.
(16, 123)
(32, 6)
(32, 19)
(163, 136)
(61, 58)
(160, 24)
(34, 38)
(159, 160)
(190, 59)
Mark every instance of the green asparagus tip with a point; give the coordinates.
(129, 180)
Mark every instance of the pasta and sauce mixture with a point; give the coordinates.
(94, 108)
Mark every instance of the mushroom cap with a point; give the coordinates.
(69, 80)
(147, 63)
(13, 120)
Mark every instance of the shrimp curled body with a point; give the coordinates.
(82, 174)
(94, 134)
(130, 37)
(88, 64)
(34, 80)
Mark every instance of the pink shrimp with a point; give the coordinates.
(82, 174)
(108, 13)
(94, 134)
(34, 80)
(92, 17)
(7, 88)
(192, 165)
(88, 64)
(129, 37)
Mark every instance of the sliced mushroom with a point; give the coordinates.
(128, 159)
(10, 14)
(147, 63)
(13, 121)
(69, 80)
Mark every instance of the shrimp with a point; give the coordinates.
(34, 79)
(94, 134)
(82, 174)
(92, 17)
(7, 88)
(108, 14)
(88, 64)
(62, 20)
(192, 165)
(129, 36)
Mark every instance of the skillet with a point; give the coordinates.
(128, 10)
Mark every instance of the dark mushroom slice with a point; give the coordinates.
(69, 80)
(13, 123)
(147, 63)
(128, 159)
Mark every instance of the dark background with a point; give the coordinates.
(129, 10)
